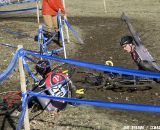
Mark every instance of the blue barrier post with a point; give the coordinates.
(61, 32)
(24, 104)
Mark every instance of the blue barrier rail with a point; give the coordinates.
(127, 106)
(73, 31)
(18, 2)
(100, 67)
(117, 105)
(20, 10)
(8, 45)
(10, 67)
(26, 67)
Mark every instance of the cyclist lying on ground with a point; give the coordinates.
(140, 55)
(53, 83)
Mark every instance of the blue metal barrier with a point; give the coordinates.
(74, 32)
(18, 2)
(100, 67)
(127, 106)
(10, 67)
(19, 10)
(24, 105)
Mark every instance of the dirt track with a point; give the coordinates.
(101, 32)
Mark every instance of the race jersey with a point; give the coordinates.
(143, 53)
(56, 84)
(142, 57)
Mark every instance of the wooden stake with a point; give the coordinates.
(23, 89)
(37, 4)
(66, 27)
(104, 3)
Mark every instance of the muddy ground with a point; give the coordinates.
(101, 32)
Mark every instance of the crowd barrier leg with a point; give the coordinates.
(23, 88)
(61, 33)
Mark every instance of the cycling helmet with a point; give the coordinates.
(126, 40)
(43, 67)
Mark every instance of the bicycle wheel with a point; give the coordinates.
(137, 82)
(113, 80)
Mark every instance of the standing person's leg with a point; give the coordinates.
(49, 26)
(55, 23)
(56, 29)
(48, 22)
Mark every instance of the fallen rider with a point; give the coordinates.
(53, 83)
(140, 55)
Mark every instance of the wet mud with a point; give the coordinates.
(101, 37)
(102, 43)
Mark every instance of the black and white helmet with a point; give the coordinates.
(126, 40)
(43, 67)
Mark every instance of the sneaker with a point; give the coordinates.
(57, 36)
(47, 36)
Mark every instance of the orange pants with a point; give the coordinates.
(50, 9)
